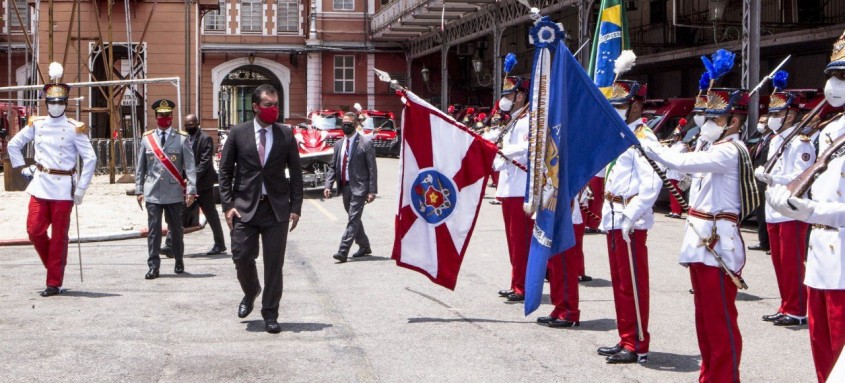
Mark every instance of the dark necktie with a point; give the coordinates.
(343, 165)
(163, 135)
(262, 142)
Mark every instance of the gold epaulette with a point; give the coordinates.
(149, 132)
(804, 138)
(643, 131)
(32, 120)
(80, 126)
(182, 132)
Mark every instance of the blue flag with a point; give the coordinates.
(585, 134)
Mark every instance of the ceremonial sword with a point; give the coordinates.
(737, 279)
(78, 242)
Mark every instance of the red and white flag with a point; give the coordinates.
(443, 172)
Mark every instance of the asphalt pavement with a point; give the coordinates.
(363, 321)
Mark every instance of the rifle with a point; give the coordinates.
(804, 181)
(770, 164)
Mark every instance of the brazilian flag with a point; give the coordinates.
(610, 39)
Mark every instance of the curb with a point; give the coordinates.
(143, 233)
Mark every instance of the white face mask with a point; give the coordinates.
(711, 131)
(56, 110)
(505, 104)
(699, 120)
(834, 92)
(775, 123)
(623, 113)
(761, 128)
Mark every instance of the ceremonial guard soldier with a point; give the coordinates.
(630, 189)
(511, 186)
(55, 185)
(825, 273)
(723, 191)
(787, 236)
(677, 144)
(164, 155)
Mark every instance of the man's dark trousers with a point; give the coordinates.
(245, 251)
(354, 206)
(173, 214)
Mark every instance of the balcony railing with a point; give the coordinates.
(394, 11)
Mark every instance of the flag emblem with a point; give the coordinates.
(434, 197)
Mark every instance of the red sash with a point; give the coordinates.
(165, 161)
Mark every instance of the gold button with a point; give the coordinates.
(831, 248)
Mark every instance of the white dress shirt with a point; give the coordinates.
(343, 145)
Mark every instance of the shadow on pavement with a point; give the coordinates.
(596, 282)
(187, 275)
(369, 258)
(204, 255)
(663, 361)
(88, 294)
(745, 297)
(258, 326)
(468, 320)
(604, 324)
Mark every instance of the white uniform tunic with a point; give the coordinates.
(630, 175)
(797, 156)
(673, 174)
(57, 143)
(825, 266)
(513, 180)
(714, 189)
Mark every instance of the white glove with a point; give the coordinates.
(783, 202)
(762, 176)
(77, 196)
(652, 149)
(499, 163)
(626, 225)
(28, 171)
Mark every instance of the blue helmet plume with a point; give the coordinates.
(510, 62)
(722, 63)
(704, 81)
(779, 79)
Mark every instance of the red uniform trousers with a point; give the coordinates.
(495, 178)
(719, 339)
(623, 287)
(595, 205)
(827, 328)
(674, 205)
(563, 279)
(55, 214)
(788, 243)
(518, 227)
(578, 250)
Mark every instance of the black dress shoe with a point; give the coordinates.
(591, 231)
(505, 293)
(50, 291)
(772, 317)
(787, 320)
(180, 267)
(152, 274)
(166, 250)
(362, 252)
(545, 320)
(217, 249)
(340, 257)
(246, 305)
(563, 323)
(495, 202)
(516, 297)
(584, 278)
(759, 246)
(272, 326)
(608, 351)
(626, 357)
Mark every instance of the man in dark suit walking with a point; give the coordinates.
(260, 200)
(353, 167)
(203, 148)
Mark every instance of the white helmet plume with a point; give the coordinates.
(624, 62)
(55, 71)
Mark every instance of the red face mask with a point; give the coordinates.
(268, 115)
(164, 121)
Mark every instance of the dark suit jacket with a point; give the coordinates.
(241, 173)
(203, 156)
(363, 175)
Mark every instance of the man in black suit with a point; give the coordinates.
(259, 200)
(758, 157)
(203, 148)
(353, 167)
